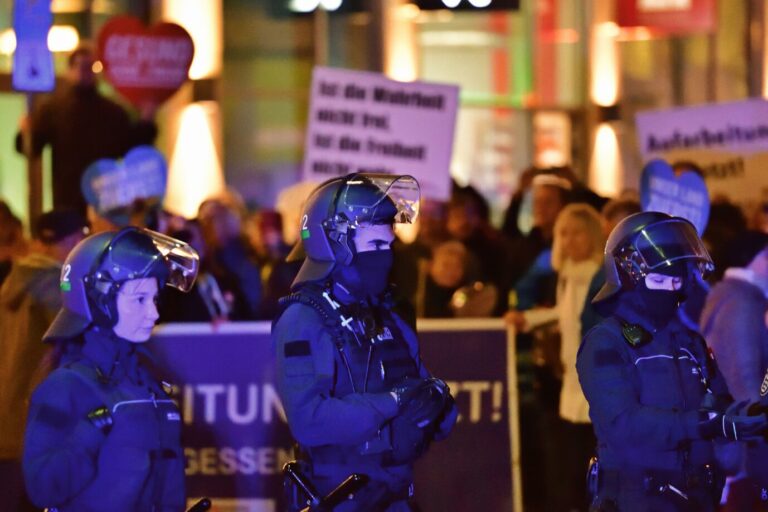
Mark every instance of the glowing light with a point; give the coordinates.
(400, 59)
(605, 169)
(451, 3)
(194, 171)
(63, 38)
(635, 34)
(303, 5)
(604, 88)
(98, 67)
(330, 5)
(480, 3)
(409, 11)
(7, 41)
(203, 20)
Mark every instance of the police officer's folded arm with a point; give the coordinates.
(60, 448)
(606, 377)
(305, 370)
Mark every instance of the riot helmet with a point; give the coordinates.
(95, 269)
(340, 205)
(648, 242)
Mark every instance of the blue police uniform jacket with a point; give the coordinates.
(71, 464)
(336, 391)
(645, 399)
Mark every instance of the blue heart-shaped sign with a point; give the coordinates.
(683, 195)
(113, 184)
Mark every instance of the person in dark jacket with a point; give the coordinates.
(102, 433)
(29, 300)
(657, 401)
(357, 396)
(81, 126)
(733, 323)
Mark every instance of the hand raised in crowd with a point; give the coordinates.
(516, 319)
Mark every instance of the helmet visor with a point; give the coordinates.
(665, 242)
(381, 197)
(181, 259)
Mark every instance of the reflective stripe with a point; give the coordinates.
(145, 401)
(659, 356)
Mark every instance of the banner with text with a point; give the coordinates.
(236, 438)
(728, 140)
(364, 122)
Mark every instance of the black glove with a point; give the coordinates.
(758, 408)
(733, 427)
(421, 401)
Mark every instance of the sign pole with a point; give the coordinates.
(34, 167)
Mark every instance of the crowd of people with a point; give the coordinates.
(560, 245)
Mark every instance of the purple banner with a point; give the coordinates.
(236, 438)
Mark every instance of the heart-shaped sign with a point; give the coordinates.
(682, 195)
(109, 185)
(146, 65)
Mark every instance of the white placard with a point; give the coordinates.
(364, 122)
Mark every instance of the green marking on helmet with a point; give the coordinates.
(65, 286)
(304, 234)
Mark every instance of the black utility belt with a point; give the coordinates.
(654, 480)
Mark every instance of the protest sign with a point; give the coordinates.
(236, 437)
(32, 60)
(146, 65)
(682, 195)
(729, 141)
(365, 122)
(108, 184)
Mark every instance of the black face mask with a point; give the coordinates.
(368, 274)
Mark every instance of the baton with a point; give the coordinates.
(317, 504)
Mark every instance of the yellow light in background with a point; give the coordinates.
(604, 86)
(194, 172)
(605, 169)
(203, 20)
(63, 38)
(400, 62)
(7, 41)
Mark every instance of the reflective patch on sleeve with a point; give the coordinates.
(607, 358)
(297, 349)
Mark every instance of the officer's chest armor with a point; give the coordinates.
(145, 406)
(671, 370)
(376, 353)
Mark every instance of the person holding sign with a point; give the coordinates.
(81, 126)
(357, 396)
(102, 434)
(656, 398)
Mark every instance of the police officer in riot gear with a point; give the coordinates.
(657, 401)
(102, 434)
(356, 394)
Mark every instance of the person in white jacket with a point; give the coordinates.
(577, 254)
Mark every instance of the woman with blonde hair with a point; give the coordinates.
(577, 254)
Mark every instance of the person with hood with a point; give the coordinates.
(102, 433)
(357, 396)
(656, 398)
(29, 299)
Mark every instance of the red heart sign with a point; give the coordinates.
(146, 65)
